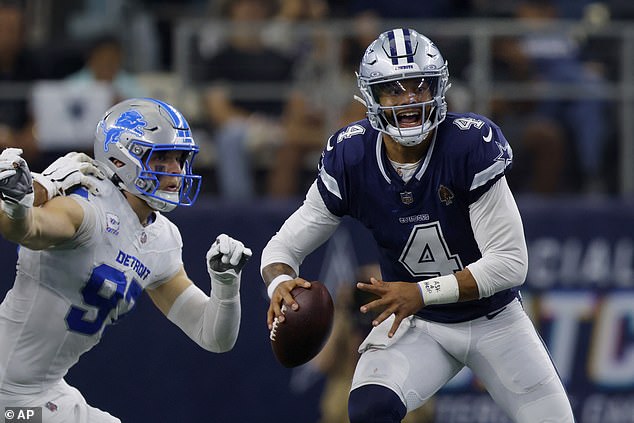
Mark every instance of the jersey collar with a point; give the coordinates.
(379, 158)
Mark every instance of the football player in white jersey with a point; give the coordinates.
(84, 259)
(430, 186)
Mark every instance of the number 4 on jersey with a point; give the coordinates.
(350, 132)
(427, 253)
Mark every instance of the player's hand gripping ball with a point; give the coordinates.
(305, 331)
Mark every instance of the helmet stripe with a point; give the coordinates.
(393, 52)
(408, 46)
(400, 46)
(178, 120)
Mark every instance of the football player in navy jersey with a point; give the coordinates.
(431, 187)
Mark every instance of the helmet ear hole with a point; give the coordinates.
(117, 163)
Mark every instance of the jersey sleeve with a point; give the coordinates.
(170, 246)
(309, 227)
(489, 158)
(344, 150)
(331, 179)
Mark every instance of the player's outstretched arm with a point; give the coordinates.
(35, 228)
(211, 321)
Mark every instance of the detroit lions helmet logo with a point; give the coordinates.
(130, 121)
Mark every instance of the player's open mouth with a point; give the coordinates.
(409, 117)
(171, 188)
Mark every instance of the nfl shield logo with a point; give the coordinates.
(407, 198)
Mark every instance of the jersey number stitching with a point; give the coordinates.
(350, 132)
(427, 253)
(104, 291)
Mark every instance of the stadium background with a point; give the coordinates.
(580, 286)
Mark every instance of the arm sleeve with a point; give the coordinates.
(212, 322)
(305, 230)
(498, 230)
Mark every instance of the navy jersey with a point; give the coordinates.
(422, 227)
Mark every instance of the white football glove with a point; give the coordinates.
(67, 172)
(226, 258)
(16, 184)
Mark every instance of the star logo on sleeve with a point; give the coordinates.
(506, 154)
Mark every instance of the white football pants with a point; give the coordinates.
(60, 404)
(505, 353)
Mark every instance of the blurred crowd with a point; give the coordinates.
(264, 82)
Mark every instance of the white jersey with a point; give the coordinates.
(64, 297)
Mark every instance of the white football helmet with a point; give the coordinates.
(127, 136)
(398, 55)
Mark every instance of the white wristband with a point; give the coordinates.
(276, 281)
(440, 290)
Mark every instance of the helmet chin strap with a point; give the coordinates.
(157, 200)
(409, 137)
(402, 137)
(159, 204)
(155, 203)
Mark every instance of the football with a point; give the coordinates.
(304, 332)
